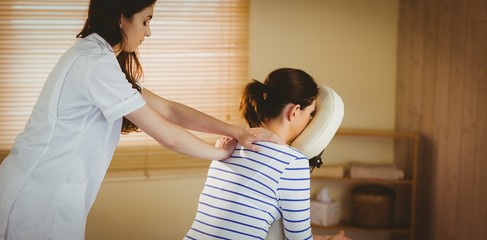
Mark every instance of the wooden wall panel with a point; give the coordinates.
(479, 215)
(442, 92)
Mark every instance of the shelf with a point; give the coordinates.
(366, 180)
(376, 133)
(406, 151)
(348, 226)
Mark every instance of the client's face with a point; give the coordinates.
(303, 118)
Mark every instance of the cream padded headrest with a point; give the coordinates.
(319, 132)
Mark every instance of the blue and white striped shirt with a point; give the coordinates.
(244, 194)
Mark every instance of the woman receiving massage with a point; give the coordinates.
(246, 193)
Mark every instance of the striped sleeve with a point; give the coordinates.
(294, 199)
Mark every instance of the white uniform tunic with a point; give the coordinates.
(51, 177)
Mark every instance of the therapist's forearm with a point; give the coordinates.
(175, 137)
(188, 117)
(193, 119)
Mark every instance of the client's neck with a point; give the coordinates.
(280, 129)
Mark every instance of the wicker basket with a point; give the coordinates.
(373, 206)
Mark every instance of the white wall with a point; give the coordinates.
(146, 209)
(349, 45)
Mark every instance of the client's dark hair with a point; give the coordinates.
(263, 101)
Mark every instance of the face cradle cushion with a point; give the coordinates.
(319, 132)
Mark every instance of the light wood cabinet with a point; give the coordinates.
(405, 156)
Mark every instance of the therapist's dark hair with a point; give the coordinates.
(104, 19)
(264, 101)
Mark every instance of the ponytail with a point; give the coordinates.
(252, 103)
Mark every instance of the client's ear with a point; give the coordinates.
(291, 110)
(319, 132)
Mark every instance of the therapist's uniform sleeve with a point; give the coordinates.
(108, 89)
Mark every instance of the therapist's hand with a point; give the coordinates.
(249, 136)
(226, 143)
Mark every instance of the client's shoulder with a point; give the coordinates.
(274, 148)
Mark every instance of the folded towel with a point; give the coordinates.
(333, 171)
(375, 171)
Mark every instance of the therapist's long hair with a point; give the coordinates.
(104, 19)
(265, 101)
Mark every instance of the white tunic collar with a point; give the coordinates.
(94, 37)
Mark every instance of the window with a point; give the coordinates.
(197, 55)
